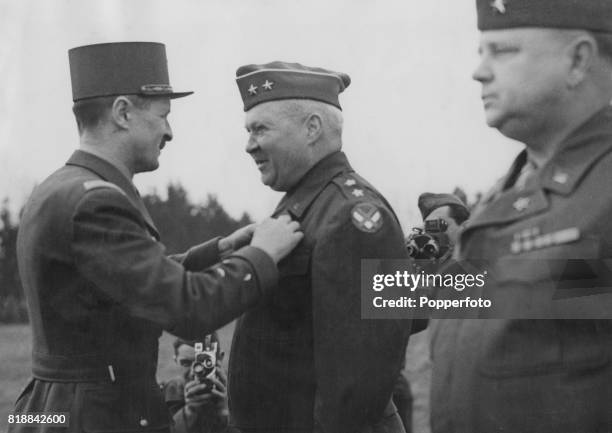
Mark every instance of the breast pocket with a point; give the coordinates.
(511, 348)
(569, 261)
(295, 264)
(294, 281)
(536, 284)
(549, 283)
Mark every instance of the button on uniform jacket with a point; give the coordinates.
(100, 290)
(534, 375)
(305, 360)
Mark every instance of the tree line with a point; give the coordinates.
(181, 223)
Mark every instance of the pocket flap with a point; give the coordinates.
(116, 408)
(296, 263)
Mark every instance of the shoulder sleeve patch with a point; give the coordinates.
(366, 217)
(98, 183)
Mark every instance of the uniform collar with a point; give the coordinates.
(113, 161)
(578, 153)
(297, 201)
(110, 173)
(561, 175)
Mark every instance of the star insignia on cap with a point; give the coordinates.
(350, 182)
(499, 6)
(521, 204)
(366, 217)
(357, 192)
(252, 90)
(268, 85)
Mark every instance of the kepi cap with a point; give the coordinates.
(120, 68)
(593, 15)
(428, 202)
(280, 80)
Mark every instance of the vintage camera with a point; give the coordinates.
(429, 243)
(204, 366)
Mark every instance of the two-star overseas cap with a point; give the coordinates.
(593, 15)
(280, 80)
(120, 68)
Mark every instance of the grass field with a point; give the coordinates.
(15, 362)
(15, 368)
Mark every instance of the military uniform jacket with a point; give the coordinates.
(304, 360)
(534, 375)
(100, 289)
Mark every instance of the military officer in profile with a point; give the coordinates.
(304, 360)
(99, 286)
(546, 75)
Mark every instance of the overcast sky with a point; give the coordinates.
(413, 115)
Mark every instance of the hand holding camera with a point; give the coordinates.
(429, 243)
(201, 398)
(204, 364)
(207, 389)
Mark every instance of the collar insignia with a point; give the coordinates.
(521, 204)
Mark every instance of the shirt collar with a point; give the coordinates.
(578, 153)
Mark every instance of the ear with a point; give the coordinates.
(121, 112)
(582, 51)
(314, 127)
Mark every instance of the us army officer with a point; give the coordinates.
(545, 72)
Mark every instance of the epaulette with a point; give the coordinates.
(365, 214)
(351, 187)
(98, 183)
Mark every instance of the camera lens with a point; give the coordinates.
(431, 249)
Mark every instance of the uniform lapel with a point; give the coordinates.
(503, 204)
(299, 199)
(576, 155)
(110, 173)
(509, 206)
